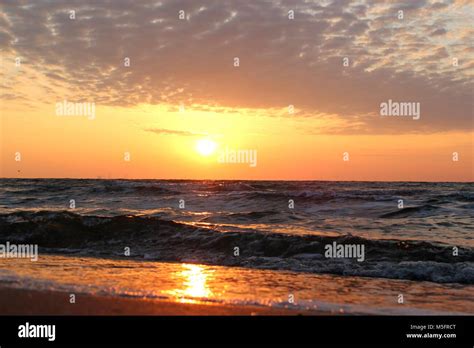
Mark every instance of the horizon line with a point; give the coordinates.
(283, 180)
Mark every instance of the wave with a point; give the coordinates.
(242, 216)
(324, 196)
(410, 211)
(95, 189)
(306, 191)
(152, 238)
(226, 187)
(154, 189)
(461, 196)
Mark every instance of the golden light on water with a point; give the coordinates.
(195, 283)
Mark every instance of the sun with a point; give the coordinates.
(206, 147)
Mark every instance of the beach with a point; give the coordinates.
(32, 302)
(236, 248)
(129, 287)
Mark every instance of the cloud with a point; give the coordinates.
(162, 131)
(282, 61)
(440, 31)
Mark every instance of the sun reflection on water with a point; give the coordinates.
(195, 283)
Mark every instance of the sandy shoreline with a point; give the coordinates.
(32, 302)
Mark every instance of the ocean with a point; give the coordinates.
(247, 242)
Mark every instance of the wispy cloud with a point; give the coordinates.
(162, 131)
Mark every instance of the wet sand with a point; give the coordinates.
(31, 302)
(122, 287)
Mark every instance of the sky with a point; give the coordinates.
(279, 90)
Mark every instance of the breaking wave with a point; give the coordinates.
(152, 238)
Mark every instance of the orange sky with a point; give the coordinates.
(55, 146)
(291, 100)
